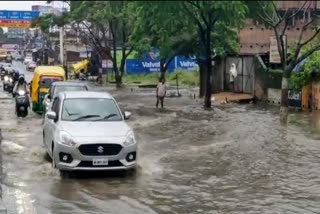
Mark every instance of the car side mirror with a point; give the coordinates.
(127, 115)
(52, 116)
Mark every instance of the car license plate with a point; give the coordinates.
(100, 162)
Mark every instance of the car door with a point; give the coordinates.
(51, 124)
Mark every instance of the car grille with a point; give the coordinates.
(100, 149)
(113, 163)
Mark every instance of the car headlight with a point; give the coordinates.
(10, 80)
(6, 78)
(130, 139)
(66, 139)
(21, 93)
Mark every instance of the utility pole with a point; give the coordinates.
(61, 46)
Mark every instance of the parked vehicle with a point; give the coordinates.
(87, 131)
(58, 87)
(22, 103)
(43, 77)
(80, 67)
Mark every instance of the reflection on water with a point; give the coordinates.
(232, 160)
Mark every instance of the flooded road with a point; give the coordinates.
(235, 159)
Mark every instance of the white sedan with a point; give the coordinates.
(85, 130)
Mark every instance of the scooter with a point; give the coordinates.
(22, 103)
(8, 83)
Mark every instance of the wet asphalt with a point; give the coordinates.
(234, 159)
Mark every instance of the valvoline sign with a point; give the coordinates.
(150, 63)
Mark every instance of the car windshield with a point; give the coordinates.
(63, 88)
(90, 109)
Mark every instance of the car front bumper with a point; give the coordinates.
(82, 162)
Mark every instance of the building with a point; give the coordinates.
(255, 37)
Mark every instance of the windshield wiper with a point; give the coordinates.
(87, 116)
(70, 114)
(107, 117)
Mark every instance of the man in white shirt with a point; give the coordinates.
(161, 92)
(233, 75)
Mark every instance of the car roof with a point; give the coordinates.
(85, 94)
(68, 83)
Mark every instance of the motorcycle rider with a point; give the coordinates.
(16, 76)
(21, 85)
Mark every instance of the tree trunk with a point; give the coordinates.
(118, 77)
(207, 102)
(162, 68)
(123, 60)
(207, 99)
(202, 81)
(284, 109)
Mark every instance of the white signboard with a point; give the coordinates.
(274, 56)
(109, 63)
(104, 63)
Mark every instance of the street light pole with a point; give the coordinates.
(61, 46)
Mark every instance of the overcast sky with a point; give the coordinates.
(24, 5)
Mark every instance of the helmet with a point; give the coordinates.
(21, 78)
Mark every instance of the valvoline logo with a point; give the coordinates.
(153, 55)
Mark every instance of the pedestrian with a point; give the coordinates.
(161, 92)
(233, 74)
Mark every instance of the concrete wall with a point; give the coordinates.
(265, 80)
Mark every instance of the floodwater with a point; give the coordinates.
(235, 159)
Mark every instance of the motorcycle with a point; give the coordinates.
(22, 103)
(8, 83)
(2, 73)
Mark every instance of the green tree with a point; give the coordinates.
(158, 26)
(202, 28)
(103, 25)
(207, 16)
(106, 25)
(278, 20)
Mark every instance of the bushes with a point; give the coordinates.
(310, 71)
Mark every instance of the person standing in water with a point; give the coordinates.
(161, 92)
(233, 74)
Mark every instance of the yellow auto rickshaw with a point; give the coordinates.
(43, 77)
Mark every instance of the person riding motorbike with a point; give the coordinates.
(16, 76)
(21, 85)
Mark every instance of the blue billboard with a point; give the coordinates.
(147, 66)
(18, 15)
(150, 63)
